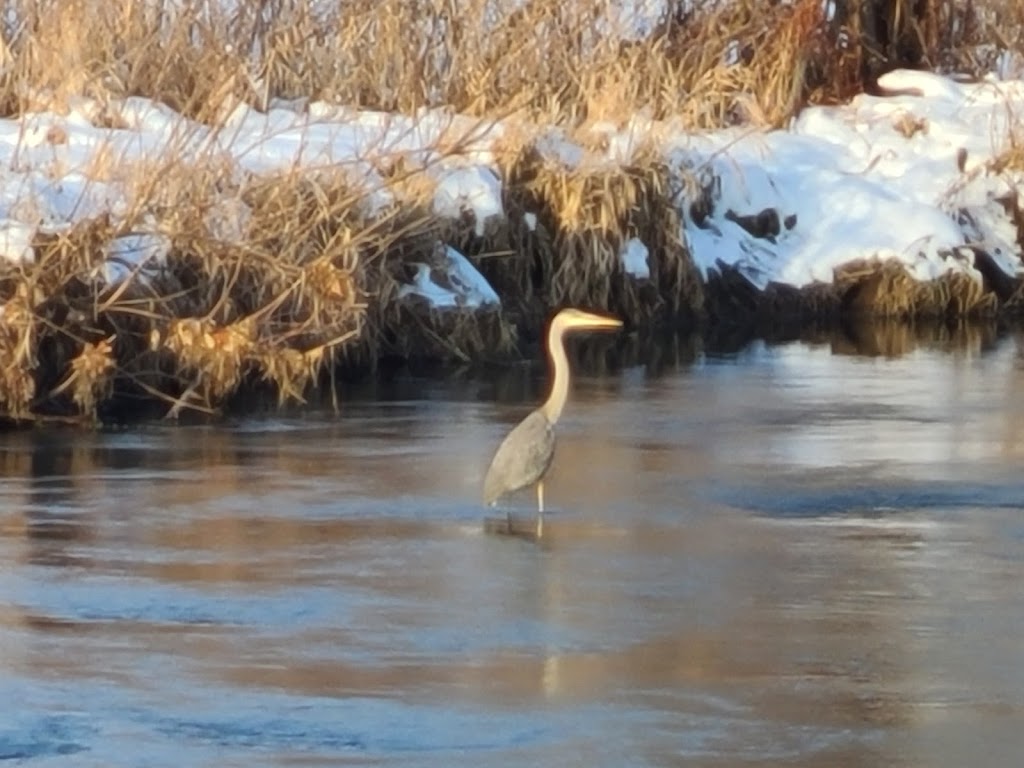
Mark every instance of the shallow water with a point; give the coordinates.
(786, 555)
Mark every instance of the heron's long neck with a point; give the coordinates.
(560, 382)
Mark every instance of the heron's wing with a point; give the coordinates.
(522, 458)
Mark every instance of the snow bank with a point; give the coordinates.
(907, 176)
(903, 177)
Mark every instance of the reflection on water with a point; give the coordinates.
(783, 554)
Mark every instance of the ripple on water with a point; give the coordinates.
(32, 736)
(790, 500)
(335, 726)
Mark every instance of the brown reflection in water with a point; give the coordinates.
(267, 550)
(820, 629)
(788, 650)
(43, 480)
(896, 339)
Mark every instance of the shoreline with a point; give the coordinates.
(658, 352)
(91, 345)
(178, 246)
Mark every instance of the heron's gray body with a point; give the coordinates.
(525, 454)
(522, 458)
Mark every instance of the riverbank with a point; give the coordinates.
(184, 247)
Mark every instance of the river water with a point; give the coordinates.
(796, 554)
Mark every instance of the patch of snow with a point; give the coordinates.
(468, 281)
(72, 197)
(554, 145)
(470, 189)
(634, 259)
(635, 20)
(130, 255)
(461, 284)
(882, 177)
(732, 55)
(638, 132)
(228, 220)
(1010, 65)
(143, 115)
(530, 219)
(16, 242)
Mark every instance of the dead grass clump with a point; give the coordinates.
(887, 290)
(749, 62)
(879, 290)
(18, 351)
(867, 289)
(47, 322)
(567, 230)
(955, 294)
(963, 37)
(214, 355)
(193, 325)
(90, 377)
(279, 305)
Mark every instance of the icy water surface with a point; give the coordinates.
(790, 555)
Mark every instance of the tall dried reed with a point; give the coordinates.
(707, 61)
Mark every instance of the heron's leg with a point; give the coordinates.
(540, 509)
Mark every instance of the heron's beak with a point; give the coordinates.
(589, 320)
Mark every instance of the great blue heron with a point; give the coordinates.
(525, 454)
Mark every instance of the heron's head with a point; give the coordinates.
(577, 319)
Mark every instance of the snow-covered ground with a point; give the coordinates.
(904, 177)
(907, 176)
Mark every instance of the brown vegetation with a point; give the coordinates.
(556, 62)
(310, 279)
(277, 306)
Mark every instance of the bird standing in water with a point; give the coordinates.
(525, 454)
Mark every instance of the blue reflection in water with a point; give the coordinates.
(783, 555)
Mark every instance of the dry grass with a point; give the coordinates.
(888, 291)
(709, 62)
(863, 290)
(280, 304)
(567, 226)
